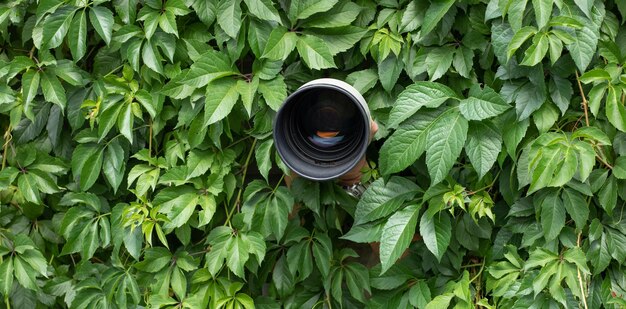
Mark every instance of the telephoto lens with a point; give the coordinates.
(322, 129)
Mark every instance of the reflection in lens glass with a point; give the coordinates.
(329, 119)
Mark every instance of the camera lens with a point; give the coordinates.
(322, 129)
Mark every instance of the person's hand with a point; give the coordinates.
(354, 175)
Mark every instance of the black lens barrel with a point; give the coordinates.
(322, 129)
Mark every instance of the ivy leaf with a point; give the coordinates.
(301, 9)
(615, 111)
(6, 276)
(436, 230)
(438, 61)
(274, 92)
(179, 203)
(262, 155)
(482, 104)
(397, 234)
(536, 52)
(389, 71)
(314, 52)
(543, 11)
(516, 11)
(608, 195)
(552, 216)
(56, 25)
(280, 44)
(416, 96)
(207, 68)
(77, 36)
(483, 146)
(339, 16)
(102, 21)
(86, 164)
(221, 96)
(576, 207)
(434, 14)
(583, 48)
(381, 199)
(619, 168)
(518, 39)
(445, 141)
(229, 16)
(407, 143)
(263, 9)
(463, 61)
(30, 85)
(247, 90)
(52, 89)
(27, 185)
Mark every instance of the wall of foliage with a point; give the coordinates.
(138, 167)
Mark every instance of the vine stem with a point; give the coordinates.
(582, 95)
(580, 278)
(243, 182)
(7, 140)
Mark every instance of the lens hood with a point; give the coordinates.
(322, 129)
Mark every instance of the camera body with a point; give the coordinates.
(322, 129)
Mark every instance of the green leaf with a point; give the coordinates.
(86, 164)
(585, 6)
(314, 52)
(389, 71)
(576, 207)
(280, 44)
(583, 48)
(436, 230)
(552, 216)
(543, 11)
(229, 16)
(536, 52)
(102, 21)
(221, 96)
(77, 35)
(167, 22)
(52, 89)
(207, 68)
(516, 10)
(179, 203)
(407, 143)
(438, 61)
(397, 234)
(615, 111)
(6, 276)
(27, 184)
(341, 15)
(445, 141)
(151, 58)
(383, 198)
(416, 96)
(56, 25)
(434, 14)
(482, 104)
(263, 9)
(198, 163)
(608, 195)
(247, 90)
(518, 39)
(301, 9)
(263, 158)
(595, 75)
(463, 61)
(30, 85)
(24, 274)
(619, 168)
(274, 92)
(483, 146)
